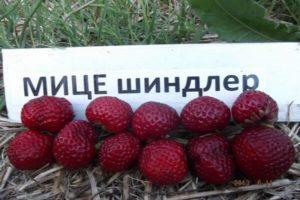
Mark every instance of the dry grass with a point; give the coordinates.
(54, 182)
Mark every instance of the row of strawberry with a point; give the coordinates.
(260, 152)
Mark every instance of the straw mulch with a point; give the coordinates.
(54, 182)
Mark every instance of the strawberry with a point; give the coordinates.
(74, 145)
(154, 120)
(210, 158)
(30, 150)
(112, 113)
(86, 128)
(163, 162)
(47, 113)
(254, 106)
(263, 153)
(119, 152)
(205, 114)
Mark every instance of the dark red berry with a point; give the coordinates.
(47, 113)
(210, 158)
(112, 113)
(119, 152)
(153, 120)
(74, 145)
(30, 150)
(263, 153)
(254, 106)
(205, 114)
(163, 162)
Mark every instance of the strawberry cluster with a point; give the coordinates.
(142, 138)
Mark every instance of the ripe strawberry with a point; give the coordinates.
(30, 150)
(86, 128)
(253, 106)
(263, 153)
(210, 158)
(154, 120)
(205, 114)
(114, 114)
(119, 152)
(47, 113)
(74, 145)
(163, 162)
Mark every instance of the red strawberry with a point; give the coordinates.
(74, 145)
(30, 150)
(210, 158)
(154, 120)
(253, 106)
(114, 114)
(263, 153)
(119, 152)
(86, 128)
(205, 114)
(47, 113)
(163, 162)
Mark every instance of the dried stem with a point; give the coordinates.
(279, 183)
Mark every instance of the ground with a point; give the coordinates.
(45, 23)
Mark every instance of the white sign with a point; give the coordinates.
(172, 74)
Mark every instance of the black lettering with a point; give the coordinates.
(42, 83)
(149, 86)
(63, 82)
(85, 91)
(129, 87)
(175, 84)
(188, 88)
(97, 83)
(255, 82)
(229, 81)
(209, 83)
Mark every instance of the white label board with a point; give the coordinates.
(172, 74)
